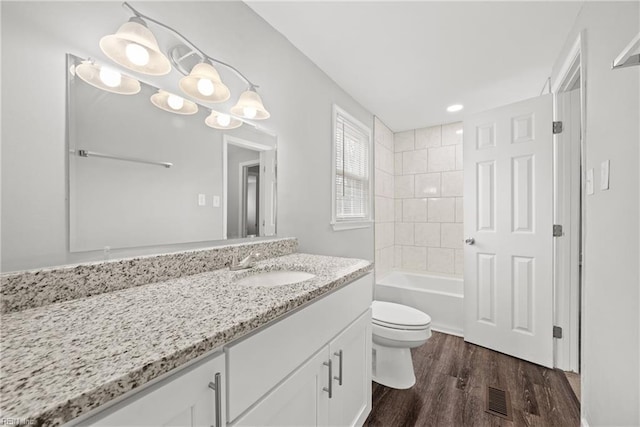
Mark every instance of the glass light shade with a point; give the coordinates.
(107, 80)
(196, 85)
(222, 121)
(250, 106)
(167, 101)
(126, 46)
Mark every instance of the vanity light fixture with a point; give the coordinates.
(134, 46)
(204, 83)
(454, 108)
(250, 106)
(222, 121)
(173, 103)
(107, 79)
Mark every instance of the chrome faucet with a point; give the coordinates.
(247, 262)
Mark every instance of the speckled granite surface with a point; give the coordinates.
(30, 289)
(62, 360)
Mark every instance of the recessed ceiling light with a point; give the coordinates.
(455, 107)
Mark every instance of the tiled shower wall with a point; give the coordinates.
(384, 198)
(419, 218)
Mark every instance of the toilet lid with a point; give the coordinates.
(398, 316)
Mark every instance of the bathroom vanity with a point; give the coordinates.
(203, 349)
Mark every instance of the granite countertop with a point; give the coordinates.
(62, 360)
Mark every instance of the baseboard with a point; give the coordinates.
(583, 423)
(448, 331)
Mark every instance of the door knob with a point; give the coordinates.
(470, 241)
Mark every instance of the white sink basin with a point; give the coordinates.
(272, 279)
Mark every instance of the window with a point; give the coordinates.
(352, 172)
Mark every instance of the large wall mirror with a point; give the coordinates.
(142, 176)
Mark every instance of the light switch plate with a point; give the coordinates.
(589, 182)
(202, 200)
(216, 201)
(604, 175)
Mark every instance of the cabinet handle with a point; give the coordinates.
(339, 377)
(330, 389)
(215, 386)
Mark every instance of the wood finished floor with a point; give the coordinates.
(451, 379)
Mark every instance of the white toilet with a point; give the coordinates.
(396, 329)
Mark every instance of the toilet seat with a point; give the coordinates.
(397, 316)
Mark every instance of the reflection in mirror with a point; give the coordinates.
(144, 176)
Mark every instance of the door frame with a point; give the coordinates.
(569, 312)
(243, 171)
(239, 142)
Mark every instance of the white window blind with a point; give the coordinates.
(352, 174)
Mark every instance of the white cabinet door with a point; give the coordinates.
(182, 400)
(508, 213)
(298, 401)
(351, 358)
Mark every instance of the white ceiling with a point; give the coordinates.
(407, 61)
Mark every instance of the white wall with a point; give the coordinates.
(297, 93)
(611, 292)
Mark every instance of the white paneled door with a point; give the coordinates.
(508, 180)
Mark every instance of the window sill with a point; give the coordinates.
(351, 225)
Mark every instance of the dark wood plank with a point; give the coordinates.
(451, 379)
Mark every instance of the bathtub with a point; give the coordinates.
(441, 297)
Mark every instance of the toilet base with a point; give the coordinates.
(393, 367)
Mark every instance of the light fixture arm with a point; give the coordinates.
(204, 56)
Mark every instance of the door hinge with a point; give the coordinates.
(557, 332)
(557, 127)
(557, 230)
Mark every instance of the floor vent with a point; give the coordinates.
(498, 403)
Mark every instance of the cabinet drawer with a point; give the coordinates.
(184, 398)
(258, 363)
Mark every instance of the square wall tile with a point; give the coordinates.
(452, 133)
(404, 233)
(397, 164)
(452, 184)
(414, 162)
(427, 234)
(442, 209)
(384, 209)
(404, 187)
(383, 184)
(382, 134)
(442, 159)
(397, 210)
(440, 260)
(452, 235)
(459, 209)
(397, 262)
(429, 137)
(403, 141)
(414, 210)
(414, 258)
(427, 185)
(384, 158)
(459, 262)
(459, 161)
(384, 234)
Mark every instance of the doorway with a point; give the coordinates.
(570, 186)
(250, 200)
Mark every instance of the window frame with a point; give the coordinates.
(340, 224)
